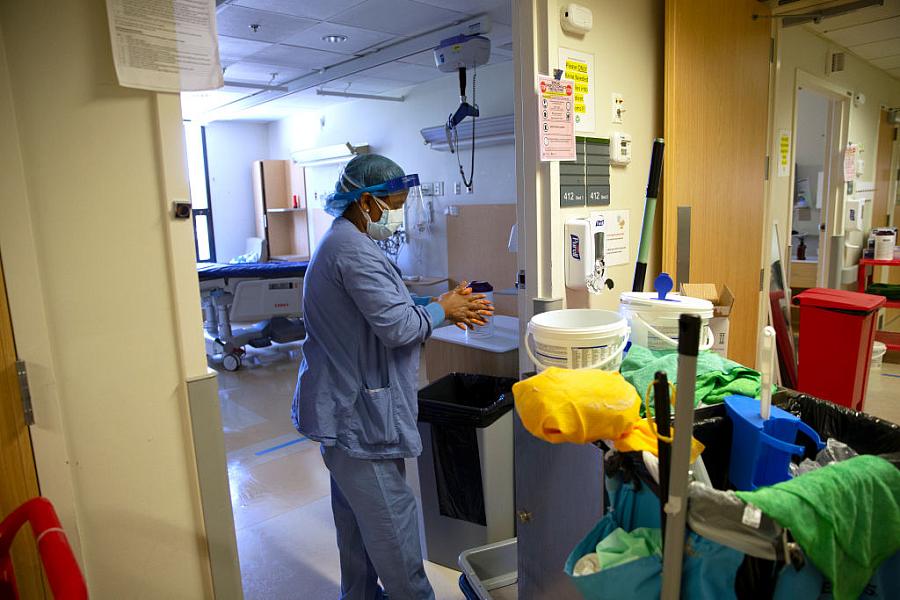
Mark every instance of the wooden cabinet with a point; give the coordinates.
(279, 198)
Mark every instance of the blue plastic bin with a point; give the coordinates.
(761, 450)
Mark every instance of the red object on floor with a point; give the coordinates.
(837, 329)
(60, 567)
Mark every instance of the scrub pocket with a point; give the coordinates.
(374, 421)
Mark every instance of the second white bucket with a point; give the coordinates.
(580, 338)
(654, 322)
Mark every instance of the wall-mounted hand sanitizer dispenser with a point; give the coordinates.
(856, 214)
(584, 247)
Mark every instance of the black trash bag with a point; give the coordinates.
(864, 433)
(455, 406)
(713, 429)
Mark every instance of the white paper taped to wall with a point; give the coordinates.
(616, 247)
(165, 46)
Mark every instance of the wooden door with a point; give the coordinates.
(716, 109)
(17, 471)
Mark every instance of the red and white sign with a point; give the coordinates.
(556, 118)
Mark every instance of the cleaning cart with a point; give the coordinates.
(711, 544)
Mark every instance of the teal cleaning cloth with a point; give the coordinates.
(717, 377)
(845, 516)
(621, 546)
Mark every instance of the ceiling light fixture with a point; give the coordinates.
(334, 38)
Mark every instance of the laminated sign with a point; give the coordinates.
(556, 118)
(579, 67)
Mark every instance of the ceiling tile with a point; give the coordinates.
(357, 39)
(470, 7)
(400, 71)
(870, 32)
(320, 10)
(888, 62)
(401, 17)
(234, 49)
(878, 49)
(295, 56)
(262, 73)
(235, 21)
(195, 104)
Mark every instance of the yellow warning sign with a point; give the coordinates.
(579, 67)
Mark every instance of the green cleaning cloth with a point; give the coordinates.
(846, 518)
(891, 291)
(621, 546)
(717, 377)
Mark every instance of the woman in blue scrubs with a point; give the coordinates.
(357, 387)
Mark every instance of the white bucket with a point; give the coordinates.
(581, 338)
(879, 349)
(654, 322)
(885, 239)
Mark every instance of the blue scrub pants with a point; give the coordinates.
(377, 526)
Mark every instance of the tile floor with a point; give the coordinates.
(280, 488)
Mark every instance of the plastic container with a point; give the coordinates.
(487, 568)
(879, 349)
(885, 240)
(466, 466)
(761, 449)
(837, 330)
(487, 330)
(654, 322)
(582, 338)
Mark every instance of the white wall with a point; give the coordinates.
(97, 301)
(392, 129)
(627, 44)
(231, 147)
(802, 49)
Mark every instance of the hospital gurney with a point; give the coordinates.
(266, 298)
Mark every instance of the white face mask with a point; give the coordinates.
(390, 221)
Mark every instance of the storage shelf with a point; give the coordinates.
(890, 339)
(880, 263)
(284, 210)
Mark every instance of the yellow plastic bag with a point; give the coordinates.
(564, 405)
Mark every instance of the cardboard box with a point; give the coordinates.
(723, 300)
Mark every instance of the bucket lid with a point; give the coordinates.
(674, 303)
(578, 320)
(839, 300)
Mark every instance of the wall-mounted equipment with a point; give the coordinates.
(585, 260)
(894, 116)
(575, 18)
(585, 180)
(327, 155)
(620, 149)
(460, 53)
(492, 131)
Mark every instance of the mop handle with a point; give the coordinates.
(640, 267)
(765, 361)
(676, 504)
(663, 419)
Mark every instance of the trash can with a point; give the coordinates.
(837, 329)
(466, 466)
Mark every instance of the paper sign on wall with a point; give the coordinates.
(784, 153)
(165, 46)
(616, 247)
(555, 118)
(851, 153)
(579, 67)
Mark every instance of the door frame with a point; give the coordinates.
(834, 202)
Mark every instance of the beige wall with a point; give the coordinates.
(627, 44)
(800, 48)
(98, 299)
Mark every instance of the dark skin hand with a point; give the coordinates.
(461, 307)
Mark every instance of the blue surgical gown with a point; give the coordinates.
(358, 382)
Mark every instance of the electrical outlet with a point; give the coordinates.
(438, 188)
(457, 188)
(471, 188)
(452, 211)
(427, 189)
(618, 107)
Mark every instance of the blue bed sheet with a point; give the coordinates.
(269, 270)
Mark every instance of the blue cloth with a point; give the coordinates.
(377, 525)
(365, 170)
(358, 382)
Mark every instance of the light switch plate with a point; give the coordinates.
(618, 108)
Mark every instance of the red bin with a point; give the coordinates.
(837, 329)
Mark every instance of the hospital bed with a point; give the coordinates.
(265, 299)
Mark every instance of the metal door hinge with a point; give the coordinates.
(771, 50)
(25, 392)
(767, 168)
(762, 275)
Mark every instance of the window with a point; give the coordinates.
(198, 172)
